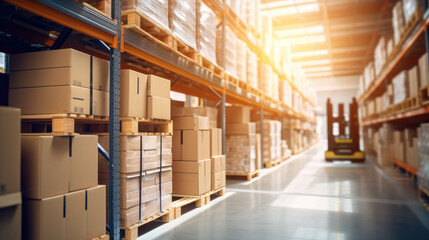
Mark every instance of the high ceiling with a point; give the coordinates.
(331, 37)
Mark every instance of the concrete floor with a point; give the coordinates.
(308, 198)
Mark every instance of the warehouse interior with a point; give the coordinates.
(214, 119)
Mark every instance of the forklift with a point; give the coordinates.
(343, 146)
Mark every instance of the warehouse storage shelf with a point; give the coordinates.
(405, 167)
(416, 115)
(412, 43)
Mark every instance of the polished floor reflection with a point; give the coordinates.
(308, 198)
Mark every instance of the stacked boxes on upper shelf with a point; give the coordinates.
(206, 31)
(10, 173)
(59, 81)
(183, 21)
(241, 141)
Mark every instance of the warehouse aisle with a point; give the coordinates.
(307, 198)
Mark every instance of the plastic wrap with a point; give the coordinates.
(182, 20)
(156, 10)
(400, 87)
(398, 22)
(206, 31)
(230, 50)
(265, 79)
(252, 69)
(410, 7)
(423, 145)
(380, 55)
(235, 5)
(423, 70)
(241, 60)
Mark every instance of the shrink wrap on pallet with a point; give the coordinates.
(400, 87)
(182, 20)
(252, 69)
(423, 70)
(380, 55)
(272, 140)
(252, 12)
(398, 22)
(156, 10)
(230, 59)
(410, 7)
(206, 31)
(423, 145)
(265, 79)
(241, 60)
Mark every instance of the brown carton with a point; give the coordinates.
(217, 180)
(191, 123)
(100, 74)
(100, 103)
(241, 128)
(45, 166)
(191, 178)
(11, 222)
(50, 59)
(218, 163)
(209, 112)
(61, 76)
(177, 108)
(75, 215)
(235, 114)
(158, 108)
(133, 94)
(51, 100)
(191, 145)
(83, 162)
(158, 87)
(10, 150)
(215, 141)
(96, 212)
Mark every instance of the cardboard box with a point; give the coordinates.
(218, 180)
(235, 114)
(218, 163)
(191, 123)
(11, 222)
(133, 94)
(100, 103)
(74, 215)
(53, 165)
(130, 216)
(209, 112)
(213, 124)
(96, 212)
(158, 108)
(51, 100)
(191, 145)
(177, 108)
(45, 166)
(158, 87)
(100, 74)
(10, 150)
(191, 178)
(215, 141)
(241, 128)
(131, 143)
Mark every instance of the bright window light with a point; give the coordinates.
(318, 69)
(310, 53)
(313, 30)
(284, 3)
(291, 9)
(314, 62)
(319, 75)
(303, 40)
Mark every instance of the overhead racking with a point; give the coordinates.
(101, 36)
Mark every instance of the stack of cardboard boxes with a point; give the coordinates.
(286, 152)
(272, 140)
(191, 155)
(412, 156)
(10, 173)
(385, 146)
(145, 176)
(241, 141)
(59, 81)
(218, 174)
(423, 142)
(59, 187)
(399, 146)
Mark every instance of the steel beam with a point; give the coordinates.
(61, 39)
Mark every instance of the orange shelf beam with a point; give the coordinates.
(405, 166)
(400, 116)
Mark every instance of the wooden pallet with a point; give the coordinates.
(275, 162)
(102, 7)
(409, 27)
(132, 232)
(212, 67)
(146, 27)
(398, 108)
(138, 126)
(412, 103)
(199, 201)
(103, 237)
(424, 95)
(423, 196)
(249, 176)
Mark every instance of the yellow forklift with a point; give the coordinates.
(343, 146)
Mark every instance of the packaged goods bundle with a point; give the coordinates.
(423, 145)
(380, 55)
(230, 50)
(399, 145)
(145, 175)
(412, 157)
(398, 22)
(275, 87)
(266, 79)
(369, 74)
(285, 150)
(413, 82)
(252, 69)
(252, 12)
(59, 81)
(385, 146)
(424, 70)
(410, 7)
(400, 87)
(272, 140)
(241, 60)
(286, 91)
(182, 19)
(206, 31)
(156, 10)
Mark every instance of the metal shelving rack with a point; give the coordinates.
(125, 47)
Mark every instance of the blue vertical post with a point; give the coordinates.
(115, 70)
